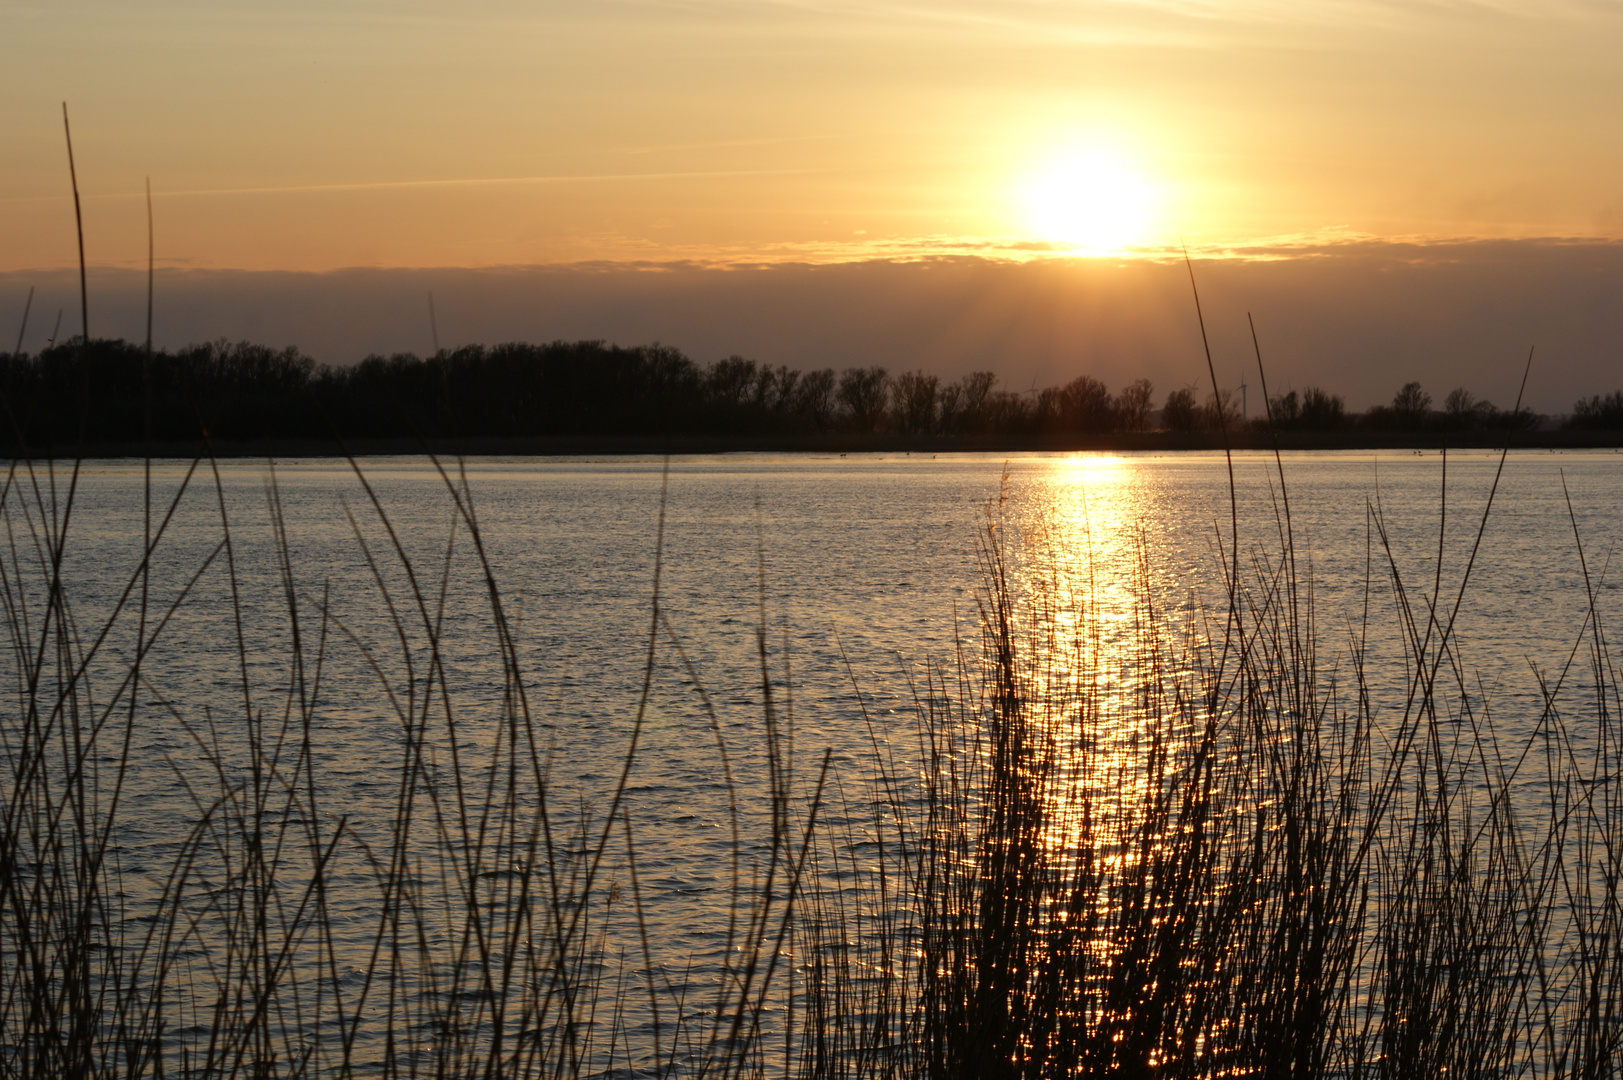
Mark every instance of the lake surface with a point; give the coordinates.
(858, 573)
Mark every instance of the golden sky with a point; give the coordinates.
(310, 136)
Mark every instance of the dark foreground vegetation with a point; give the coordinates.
(114, 394)
(1188, 845)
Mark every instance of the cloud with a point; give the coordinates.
(449, 182)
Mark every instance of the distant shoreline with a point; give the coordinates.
(832, 443)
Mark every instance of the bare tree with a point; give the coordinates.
(913, 401)
(1312, 410)
(863, 392)
(966, 405)
(785, 387)
(1085, 405)
(731, 381)
(1132, 405)
(1411, 405)
(1221, 411)
(1321, 410)
(1181, 413)
(814, 397)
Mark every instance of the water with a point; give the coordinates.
(854, 575)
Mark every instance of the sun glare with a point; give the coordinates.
(1091, 201)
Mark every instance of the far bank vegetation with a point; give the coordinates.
(115, 391)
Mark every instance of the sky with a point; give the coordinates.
(736, 144)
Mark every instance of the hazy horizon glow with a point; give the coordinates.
(305, 136)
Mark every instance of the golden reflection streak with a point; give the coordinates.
(1118, 764)
(1096, 660)
(1082, 565)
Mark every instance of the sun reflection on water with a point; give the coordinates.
(1081, 569)
(1099, 705)
(1091, 537)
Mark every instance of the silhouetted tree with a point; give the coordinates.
(1085, 406)
(1180, 412)
(1410, 410)
(1460, 405)
(1313, 410)
(1321, 411)
(863, 392)
(814, 397)
(913, 396)
(731, 381)
(775, 387)
(1050, 408)
(1285, 411)
(1463, 411)
(1008, 413)
(1411, 406)
(1132, 405)
(1221, 412)
(949, 409)
(966, 404)
(1598, 411)
(1522, 419)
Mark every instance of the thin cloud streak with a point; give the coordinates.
(1181, 24)
(385, 185)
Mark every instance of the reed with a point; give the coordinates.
(481, 929)
(1199, 849)
(1199, 842)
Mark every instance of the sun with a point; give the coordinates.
(1092, 201)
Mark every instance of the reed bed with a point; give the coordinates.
(1195, 843)
(1200, 849)
(487, 927)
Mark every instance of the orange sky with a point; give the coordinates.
(303, 136)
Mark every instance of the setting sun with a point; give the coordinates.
(1091, 201)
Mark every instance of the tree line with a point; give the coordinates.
(1314, 409)
(115, 391)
